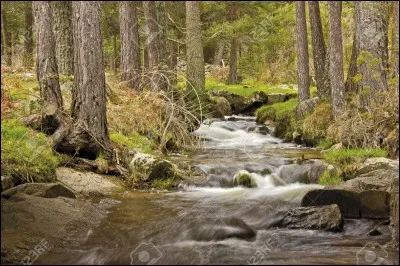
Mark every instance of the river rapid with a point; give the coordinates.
(208, 223)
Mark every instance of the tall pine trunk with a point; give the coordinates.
(28, 36)
(302, 53)
(336, 57)
(130, 44)
(62, 17)
(194, 51)
(220, 54)
(89, 134)
(153, 45)
(46, 68)
(6, 35)
(372, 42)
(318, 46)
(232, 76)
(395, 40)
(350, 85)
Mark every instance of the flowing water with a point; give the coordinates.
(201, 223)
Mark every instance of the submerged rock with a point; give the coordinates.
(322, 217)
(43, 190)
(244, 178)
(308, 172)
(30, 223)
(216, 229)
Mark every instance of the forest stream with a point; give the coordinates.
(213, 224)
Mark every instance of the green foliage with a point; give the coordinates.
(275, 112)
(26, 154)
(134, 141)
(330, 177)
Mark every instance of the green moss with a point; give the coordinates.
(315, 124)
(243, 178)
(134, 141)
(330, 177)
(324, 144)
(342, 156)
(26, 154)
(348, 159)
(277, 111)
(165, 184)
(247, 88)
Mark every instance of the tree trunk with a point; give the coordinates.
(115, 55)
(302, 53)
(194, 51)
(350, 85)
(163, 30)
(153, 44)
(336, 57)
(232, 76)
(89, 134)
(6, 35)
(318, 46)
(46, 68)
(372, 41)
(130, 45)
(62, 17)
(395, 40)
(28, 36)
(220, 54)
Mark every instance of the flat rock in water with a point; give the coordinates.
(322, 218)
(374, 204)
(347, 201)
(44, 190)
(86, 183)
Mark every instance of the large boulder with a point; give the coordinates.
(221, 107)
(85, 183)
(30, 223)
(146, 168)
(374, 204)
(322, 217)
(306, 107)
(308, 172)
(347, 201)
(277, 98)
(236, 101)
(394, 210)
(43, 190)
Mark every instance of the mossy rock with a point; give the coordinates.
(244, 178)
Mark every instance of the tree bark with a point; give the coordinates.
(28, 36)
(318, 46)
(302, 53)
(350, 85)
(46, 67)
(194, 51)
(89, 134)
(130, 45)
(62, 17)
(395, 39)
(153, 45)
(220, 54)
(115, 55)
(232, 76)
(6, 35)
(372, 41)
(336, 57)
